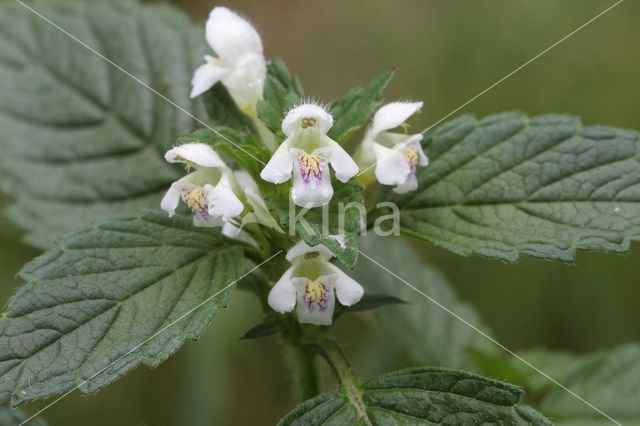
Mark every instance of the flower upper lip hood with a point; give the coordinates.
(231, 36)
(396, 156)
(310, 283)
(294, 119)
(392, 115)
(240, 64)
(208, 191)
(302, 248)
(307, 153)
(194, 153)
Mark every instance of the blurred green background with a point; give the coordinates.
(446, 51)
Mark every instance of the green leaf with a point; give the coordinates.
(223, 111)
(368, 302)
(610, 380)
(421, 329)
(80, 139)
(281, 92)
(15, 417)
(356, 107)
(107, 294)
(270, 324)
(509, 185)
(343, 225)
(555, 363)
(420, 396)
(240, 147)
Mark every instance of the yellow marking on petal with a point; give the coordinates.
(195, 200)
(308, 122)
(315, 292)
(310, 165)
(312, 255)
(412, 156)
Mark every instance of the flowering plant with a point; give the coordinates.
(283, 197)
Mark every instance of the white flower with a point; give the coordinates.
(259, 212)
(396, 156)
(208, 191)
(310, 283)
(240, 64)
(307, 152)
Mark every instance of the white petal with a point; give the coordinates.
(302, 248)
(231, 36)
(411, 184)
(245, 181)
(195, 198)
(307, 116)
(391, 165)
(197, 153)
(207, 222)
(392, 115)
(414, 143)
(170, 201)
(222, 201)
(282, 297)
(190, 182)
(365, 155)
(279, 168)
(349, 292)
(252, 193)
(318, 311)
(342, 163)
(260, 213)
(205, 77)
(246, 80)
(311, 178)
(229, 230)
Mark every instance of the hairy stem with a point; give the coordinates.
(306, 373)
(345, 375)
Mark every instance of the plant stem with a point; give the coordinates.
(338, 363)
(305, 372)
(345, 375)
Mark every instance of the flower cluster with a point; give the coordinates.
(218, 196)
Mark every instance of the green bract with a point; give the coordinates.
(339, 221)
(281, 93)
(356, 107)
